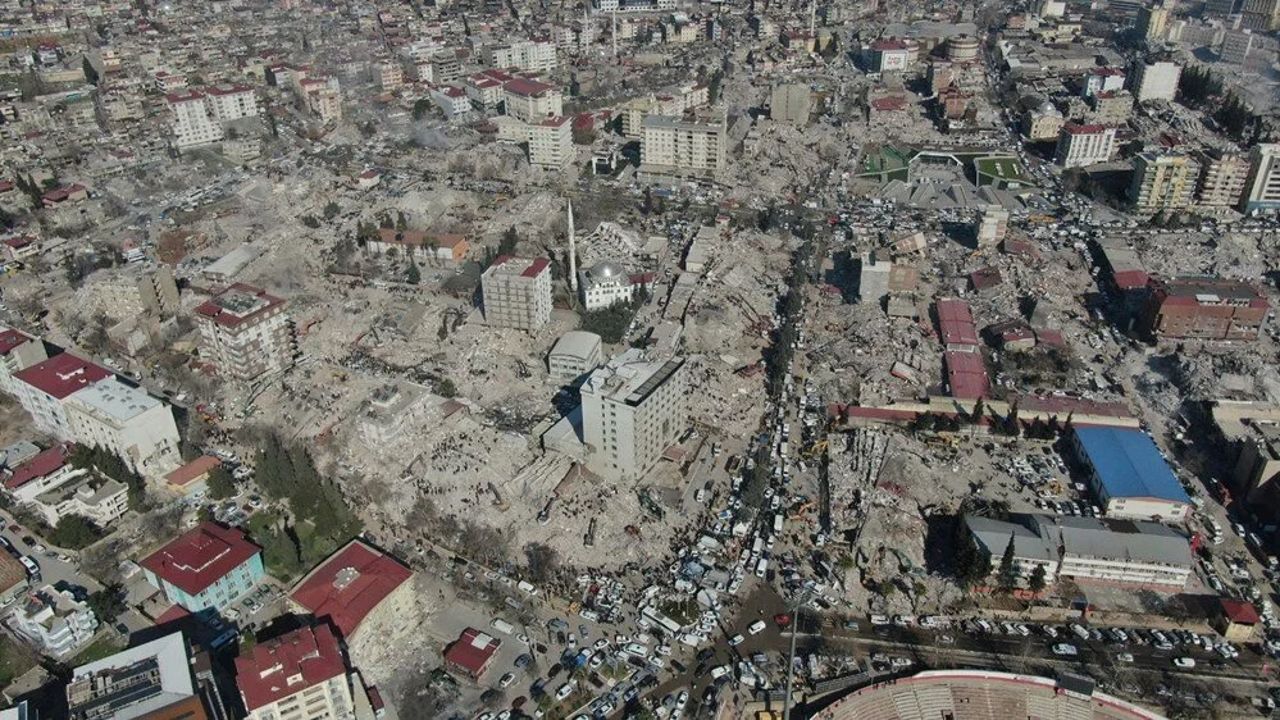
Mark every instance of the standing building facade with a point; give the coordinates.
(1163, 181)
(517, 292)
(1262, 189)
(633, 409)
(551, 143)
(208, 567)
(1223, 175)
(1204, 308)
(245, 333)
(1155, 81)
(128, 422)
(301, 675)
(1081, 145)
(671, 145)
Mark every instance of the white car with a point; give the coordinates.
(719, 671)
(682, 699)
(506, 680)
(1065, 650)
(1124, 657)
(565, 691)
(736, 640)
(756, 627)
(1184, 662)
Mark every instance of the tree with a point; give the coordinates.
(1036, 582)
(331, 210)
(446, 388)
(970, 565)
(107, 603)
(74, 532)
(413, 275)
(975, 416)
(310, 221)
(221, 484)
(1007, 575)
(542, 560)
(508, 243)
(421, 108)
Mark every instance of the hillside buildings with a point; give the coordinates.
(633, 409)
(245, 333)
(517, 292)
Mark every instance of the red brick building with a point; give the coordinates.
(1204, 308)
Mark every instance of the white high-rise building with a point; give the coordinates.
(128, 422)
(517, 292)
(1081, 145)
(231, 102)
(532, 101)
(551, 143)
(1262, 191)
(244, 332)
(676, 146)
(531, 55)
(1155, 81)
(633, 409)
(192, 125)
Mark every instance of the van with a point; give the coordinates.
(1079, 631)
(761, 566)
(777, 524)
(502, 626)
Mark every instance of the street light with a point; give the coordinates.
(798, 601)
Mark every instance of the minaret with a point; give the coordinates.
(813, 21)
(615, 33)
(573, 254)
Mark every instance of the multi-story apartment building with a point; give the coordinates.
(209, 566)
(191, 124)
(18, 351)
(532, 101)
(53, 622)
(1163, 181)
(1204, 308)
(135, 290)
(48, 469)
(1102, 79)
(551, 143)
(390, 76)
(127, 421)
(43, 388)
(1260, 14)
(245, 333)
(1223, 175)
(517, 292)
(301, 675)
(633, 409)
(532, 55)
(1081, 145)
(888, 55)
(1155, 81)
(1111, 108)
(157, 680)
(675, 102)
(101, 500)
(1262, 189)
(322, 97)
(453, 101)
(675, 146)
(231, 102)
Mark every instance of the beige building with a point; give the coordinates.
(1111, 108)
(993, 223)
(1260, 14)
(1223, 174)
(633, 409)
(517, 293)
(134, 291)
(390, 76)
(1163, 182)
(1043, 122)
(551, 143)
(673, 146)
(18, 351)
(1155, 81)
(1262, 189)
(532, 101)
(245, 333)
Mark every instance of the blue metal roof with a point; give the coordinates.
(1129, 464)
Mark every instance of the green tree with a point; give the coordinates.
(331, 210)
(107, 603)
(74, 532)
(421, 108)
(412, 275)
(1007, 575)
(1036, 582)
(971, 566)
(221, 484)
(446, 388)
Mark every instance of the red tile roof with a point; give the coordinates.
(955, 321)
(10, 339)
(966, 374)
(349, 585)
(472, 652)
(43, 464)
(527, 88)
(1238, 611)
(200, 557)
(535, 267)
(192, 470)
(222, 316)
(267, 674)
(62, 374)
